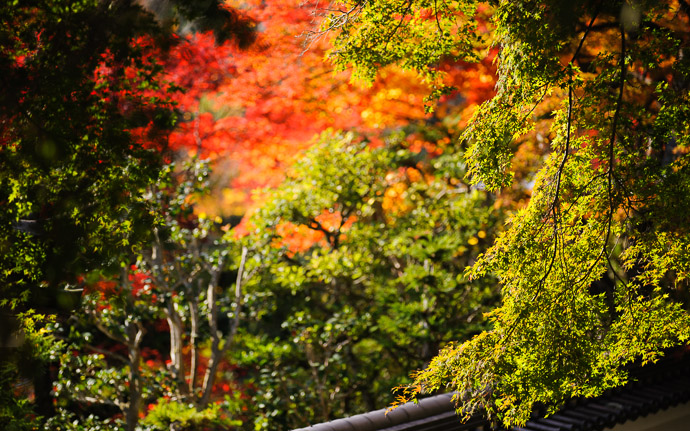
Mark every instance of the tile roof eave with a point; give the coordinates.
(651, 389)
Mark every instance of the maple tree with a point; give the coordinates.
(255, 110)
(81, 104)
(592, 268)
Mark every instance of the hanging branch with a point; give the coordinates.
(609, 173)
(614, 131)
(553, 209)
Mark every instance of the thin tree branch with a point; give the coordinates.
(106, 353)
(612, 141)
(106, 331)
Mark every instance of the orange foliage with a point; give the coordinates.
(257, 109)
(297, 238)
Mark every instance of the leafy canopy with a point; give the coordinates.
(593, 269)
(362, 275)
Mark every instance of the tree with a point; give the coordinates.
(362, 275)
(189, 264)
(593, 268)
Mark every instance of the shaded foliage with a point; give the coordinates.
(84, 119)
(171, 298)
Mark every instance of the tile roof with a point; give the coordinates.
(651, 389)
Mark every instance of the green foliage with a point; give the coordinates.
(67, 421)
(67, 153)
(361, 277)
(22, 353)
(417, 35)
(592, 269)
(16, 414)
(168, 414)
(69, 167)
(80, 127)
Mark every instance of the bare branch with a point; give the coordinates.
(96, 400)
(106, 352)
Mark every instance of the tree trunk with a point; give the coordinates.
(216, 352)
(194, 317)
(176, 359)
(134, 336)
(216, 335)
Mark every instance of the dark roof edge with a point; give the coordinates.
(379, 419)
(650, 389)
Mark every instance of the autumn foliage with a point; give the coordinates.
(255, 110)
